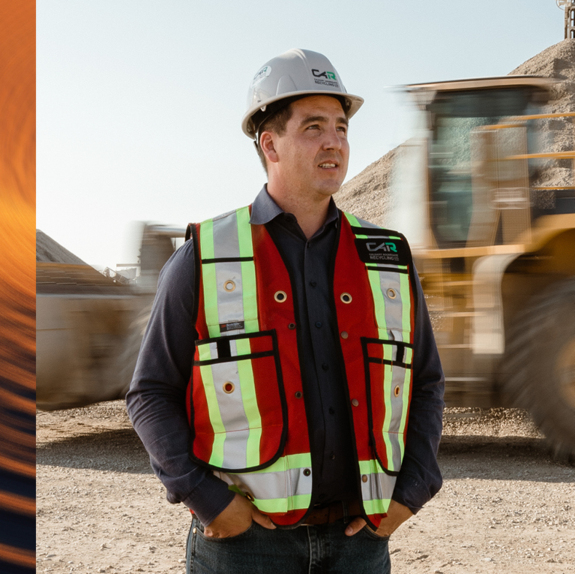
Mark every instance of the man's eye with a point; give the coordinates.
(342, 129)
(313, 127)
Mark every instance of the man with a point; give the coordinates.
(288, 388)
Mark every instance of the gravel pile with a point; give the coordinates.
(50, 251)
(367, 196)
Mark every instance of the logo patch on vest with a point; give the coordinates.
(382, 250)
(226, 327)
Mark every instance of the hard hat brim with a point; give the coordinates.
(249, 128)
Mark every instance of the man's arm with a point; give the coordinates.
(156, 399)
(419, 478)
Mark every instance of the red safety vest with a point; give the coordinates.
(246, 398)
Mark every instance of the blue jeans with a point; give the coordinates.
(302, 550)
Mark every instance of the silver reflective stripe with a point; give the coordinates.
(393, 304)
(376, 491)
(230, 303)
(226, 246)
(226, 240)
(232, 412)
(396, 405)
(272, 485)
(281, 487)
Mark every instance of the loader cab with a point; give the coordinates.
(478, 173)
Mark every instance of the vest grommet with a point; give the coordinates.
(364, 478)
(249, 496)
(291, 326)
(298, 395)
(355, 402)
(391, 293)
(280, 296)
(229, 387)
(344, 335)
(194, 530)
(306, 472)
(229, 285)
(396, 391)
(346, 298)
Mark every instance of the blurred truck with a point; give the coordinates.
(89, 327)
(490, 214)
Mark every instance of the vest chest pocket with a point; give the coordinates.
(239, 413)
(389, 375)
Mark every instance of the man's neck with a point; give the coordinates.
(310, 212)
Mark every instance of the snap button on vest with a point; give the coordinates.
(280, 296)
(229, 387)
(291, 326)
(344, 335)
(346, 297)
(391, 294)
(229, 285)
(249, 497)
(298, 395)
(355, 402)
(364, 478)
(396, 391)
(307, 472)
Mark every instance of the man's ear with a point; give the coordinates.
(267, 145)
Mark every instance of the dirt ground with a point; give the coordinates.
(505, 506)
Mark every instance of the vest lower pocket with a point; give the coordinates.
(389, 373)
(239, 420)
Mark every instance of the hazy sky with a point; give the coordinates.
(139, 102)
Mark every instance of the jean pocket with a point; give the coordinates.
(372, 534)
(239, 536)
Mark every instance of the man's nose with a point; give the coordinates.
(332, 139)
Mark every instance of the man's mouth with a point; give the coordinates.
(327, 165)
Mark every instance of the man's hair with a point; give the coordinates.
(276, 123)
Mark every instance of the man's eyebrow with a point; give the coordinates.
(311, 119)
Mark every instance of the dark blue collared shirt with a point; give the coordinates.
(156, 400)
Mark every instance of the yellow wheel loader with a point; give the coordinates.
(487, 200)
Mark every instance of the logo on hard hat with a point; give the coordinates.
(330, 78)
(326, 75)
(263, 73)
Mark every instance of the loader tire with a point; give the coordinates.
(541, 366)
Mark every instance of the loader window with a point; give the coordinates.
(456, 119)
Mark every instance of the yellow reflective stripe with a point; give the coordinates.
(246, 375)
(352, 219)
(405, 306)
(249, 286)
(408, 356)
(387, 383)
(282, 505)
(370, 466)
(378, 302)
(209, 279)
(376, 506)
(217, 456)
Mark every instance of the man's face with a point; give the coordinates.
(313, 152)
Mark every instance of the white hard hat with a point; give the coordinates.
(290, 76)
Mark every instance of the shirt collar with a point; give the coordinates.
(264, 209)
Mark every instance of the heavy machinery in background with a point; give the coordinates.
(491, 220)
(89, 327)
